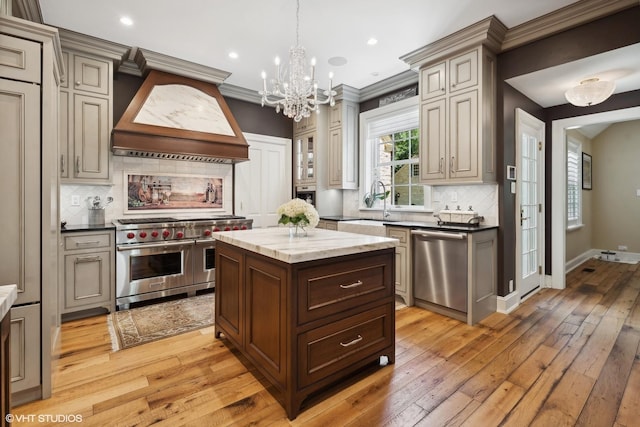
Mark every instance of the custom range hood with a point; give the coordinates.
(178, 118)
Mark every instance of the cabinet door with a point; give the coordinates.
(307, 124)
(25, 347)
(91, 75)
(335, 158)
(304, 152)
(335, 115)
(65, 132)
(91, 137)
(5, 362)
(20, 175)
(265, 335)
(433, 81)
(230, 292)
(19, 59)
(433, 127)
(87, 279)
(463, 71)
(463, 138)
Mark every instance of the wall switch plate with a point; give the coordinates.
(623, 248)
(454, 196)
(638, 192)
(75, 200)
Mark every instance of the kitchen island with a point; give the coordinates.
(306, 311)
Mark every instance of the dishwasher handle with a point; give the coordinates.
(439, 234)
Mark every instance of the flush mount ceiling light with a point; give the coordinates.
(590, 92)
(295, 92)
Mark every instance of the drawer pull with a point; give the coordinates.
(87, 259)
(350, 343)
(353, 285)
(91, 242)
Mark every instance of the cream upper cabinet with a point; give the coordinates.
(304, 158)
(457, 125)
(343, 145)
(86, 119)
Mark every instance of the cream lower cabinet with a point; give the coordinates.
(25, 347)
(403, 283)
(88, 262)
(328, 224)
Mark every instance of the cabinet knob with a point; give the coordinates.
(78, 83)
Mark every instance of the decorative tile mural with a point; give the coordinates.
(172, 192)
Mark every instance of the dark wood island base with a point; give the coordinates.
(306, 325)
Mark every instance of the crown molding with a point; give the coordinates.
(92, 45)
(243, 94)
(346, 93)
(391, 84)
(27, 9)
(570, 16)
(149, 60)
(489, 32)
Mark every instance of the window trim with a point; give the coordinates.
(367, 155)
(574, 147)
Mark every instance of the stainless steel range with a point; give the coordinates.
(158, 257)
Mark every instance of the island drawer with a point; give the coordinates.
(328, 289)
(331, 348)
(87, 241)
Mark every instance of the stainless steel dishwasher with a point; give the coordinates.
(440, 270)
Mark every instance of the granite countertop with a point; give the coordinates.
(435, 226)
(86, 227)
(8, 295)
(318, 244)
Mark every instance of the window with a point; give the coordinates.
(391, 155)
(574, 192)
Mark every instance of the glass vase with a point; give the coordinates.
(298, 230)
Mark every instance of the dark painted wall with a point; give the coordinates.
(251, 118)
(612, 32)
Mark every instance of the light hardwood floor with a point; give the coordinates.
(562, 358)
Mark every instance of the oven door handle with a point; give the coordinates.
(153, 245)
(439, 235)
(204, 241)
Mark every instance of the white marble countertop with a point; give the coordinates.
(8, 295)
(318, 244)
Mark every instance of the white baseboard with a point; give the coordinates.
(570, 265)
(508, 303)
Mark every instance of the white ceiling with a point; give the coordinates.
(205, 31)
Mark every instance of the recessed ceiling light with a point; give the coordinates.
(372, 41)
(125, 20)
(233, 55)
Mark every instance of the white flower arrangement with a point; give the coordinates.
(299, 213)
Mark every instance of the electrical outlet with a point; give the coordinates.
(622, 247)
(510, 285)
(75, 200)
(454, 196)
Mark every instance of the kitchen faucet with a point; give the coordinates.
(374, 194)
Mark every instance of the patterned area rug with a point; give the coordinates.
(136, 326)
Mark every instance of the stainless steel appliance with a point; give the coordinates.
(158, 257)
(440, 270)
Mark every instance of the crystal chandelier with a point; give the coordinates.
(293, 91)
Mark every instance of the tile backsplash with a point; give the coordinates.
(78, 215)
(483, 198)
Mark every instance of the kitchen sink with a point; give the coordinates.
(371, 227)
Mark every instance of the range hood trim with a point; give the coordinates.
(136, 139)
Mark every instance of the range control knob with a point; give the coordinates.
(235, 227)
(207, 232)
(130, 235)
(165, 233)
(142, 234)
(244, 227)
(154, 233)
(179, 234)
(227, 228)
(216, 228)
